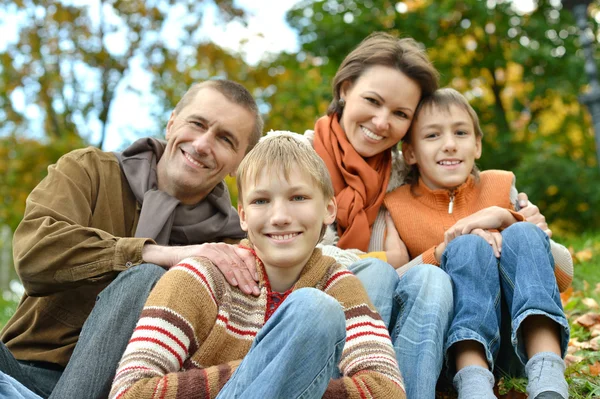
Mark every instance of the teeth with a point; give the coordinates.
(449, 162)
(370, 134)
(283, 236)
(192, 160)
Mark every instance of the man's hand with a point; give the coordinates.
(491, 218)
(532, 214)
(238, 265)
(394, 247)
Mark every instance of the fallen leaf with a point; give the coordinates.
(597, 290)
(595, 344)
(584, 255)
(588, 319)
(587, 345)
(571, 349)
(572, 359)
(590, 303)
(565, 296)
(595, 331)
(595, 369)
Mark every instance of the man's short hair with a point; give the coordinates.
(234, 92)
(282, 151)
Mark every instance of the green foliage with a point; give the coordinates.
(522, 72)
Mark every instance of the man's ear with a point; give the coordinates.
(170, 125)
(243, 222)
(331, 212)
(478, 146)
(409, 154)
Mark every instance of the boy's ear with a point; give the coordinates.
(478, 146)
(243, 222)
(409, 154)
(331, 212)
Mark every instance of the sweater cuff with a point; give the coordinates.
(377, 255)
(517, 216)
(128, 252)
(429, 257)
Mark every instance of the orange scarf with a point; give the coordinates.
(359, 183)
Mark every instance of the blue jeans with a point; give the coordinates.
(13, 389)
(37, 377)
(105, 334)
(296, 353)
(417, 308)
(523, 277)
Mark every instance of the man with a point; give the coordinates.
(96, 233)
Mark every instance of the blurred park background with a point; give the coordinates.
(70, 70)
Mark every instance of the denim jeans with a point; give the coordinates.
(31, 375)
(13, 389)
(105, 334)
(417, 308)
(296, 353)
(523, 277)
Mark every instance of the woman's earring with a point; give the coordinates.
(342, 102)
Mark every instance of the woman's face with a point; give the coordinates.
(379, 109)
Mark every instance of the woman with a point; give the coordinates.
(376, 91)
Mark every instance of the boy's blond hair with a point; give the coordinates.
(281, 150)
(441, 99)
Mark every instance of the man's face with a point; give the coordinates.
(206, 141)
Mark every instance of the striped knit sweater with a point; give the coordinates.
(422, 219)
(195, 329)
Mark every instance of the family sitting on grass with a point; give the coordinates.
(349, 270)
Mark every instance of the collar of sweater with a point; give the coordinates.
(439, 199)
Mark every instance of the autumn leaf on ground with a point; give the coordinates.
(588, 320)
(595, 369)
(590, 303)
(565, 296)
(572, 359)
(585, 255)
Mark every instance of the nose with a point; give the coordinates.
(280, 213)
(204, 143)
(381, 120)
(450, 143)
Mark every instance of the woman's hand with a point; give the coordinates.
(532, 214)
(493, 237)
(492, 218)
(394, 247)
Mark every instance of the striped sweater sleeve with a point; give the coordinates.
(176, 319)
(368, 363)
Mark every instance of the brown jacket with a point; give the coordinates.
(76, 235)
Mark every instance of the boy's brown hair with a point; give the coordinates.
(281, 150)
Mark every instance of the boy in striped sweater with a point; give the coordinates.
(311, 333)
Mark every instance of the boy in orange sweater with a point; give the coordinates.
(465, 221)
(311, 332)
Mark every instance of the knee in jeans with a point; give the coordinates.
(135, 280)
(468, 242)
(518, 231)
(321, 310)
(435, 286)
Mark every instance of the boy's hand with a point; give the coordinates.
(494, 238)
(532, 214)
(237, 265)
(490, 218)
(394, 247)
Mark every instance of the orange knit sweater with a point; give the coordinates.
(422, 218)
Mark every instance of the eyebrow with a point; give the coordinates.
(230, 136)
(438, 125)
(375, 94)
(291, 190)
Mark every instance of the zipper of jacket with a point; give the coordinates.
(451, 204)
